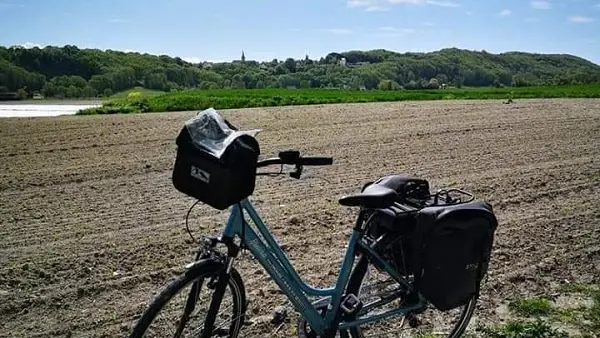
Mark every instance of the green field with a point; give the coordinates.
(135, 92)
(243, 98)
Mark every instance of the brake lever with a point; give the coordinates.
(297, 172)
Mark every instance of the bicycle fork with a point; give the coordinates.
(218, 284)
(217, 296)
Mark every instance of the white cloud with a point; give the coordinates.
(410, 2)
(361, 3)
(427, 23)
(505, 12)
(580, 19)
(469, 13)
(9, 5)
(30, 45)
(383, 5)
(377, 9)
(339, 31)
(540, 4)
(191, 59)
(396, 30)
(443, 3)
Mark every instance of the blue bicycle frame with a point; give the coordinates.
(277, 265)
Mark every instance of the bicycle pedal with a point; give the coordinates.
(351, 304)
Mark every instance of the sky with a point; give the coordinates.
(218, 30)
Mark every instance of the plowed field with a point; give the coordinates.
(91, 226)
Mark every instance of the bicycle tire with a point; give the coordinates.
(355, 284)
(207, 268)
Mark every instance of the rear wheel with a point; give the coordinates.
(203, 291)
(372, 285)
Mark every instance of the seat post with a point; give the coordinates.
(359, 220)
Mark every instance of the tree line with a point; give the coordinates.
(69, 71)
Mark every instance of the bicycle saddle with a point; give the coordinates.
(373, 197)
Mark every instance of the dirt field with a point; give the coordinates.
(91, 226)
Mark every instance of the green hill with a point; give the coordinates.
(72, 72)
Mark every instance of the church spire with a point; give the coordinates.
(243, 56)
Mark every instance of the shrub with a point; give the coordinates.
(531, 306)
(21, 94)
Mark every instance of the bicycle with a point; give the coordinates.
(341, 308)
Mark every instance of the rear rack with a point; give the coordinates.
(449, 199)
(442, 197)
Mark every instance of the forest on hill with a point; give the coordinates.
(69, 71)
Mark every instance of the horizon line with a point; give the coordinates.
(29, 45)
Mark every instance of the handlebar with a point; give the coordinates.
(268, 162)
(293, 157)
(316, 160)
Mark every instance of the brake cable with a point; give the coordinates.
(187, 226)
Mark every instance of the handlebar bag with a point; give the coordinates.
(215, 162)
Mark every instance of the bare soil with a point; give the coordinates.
(91, 226)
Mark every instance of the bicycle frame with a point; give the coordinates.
(275, 262)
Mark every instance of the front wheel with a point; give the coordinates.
(183, 303)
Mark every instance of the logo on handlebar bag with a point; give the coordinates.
(200, 174)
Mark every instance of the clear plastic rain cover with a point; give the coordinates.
(208, 130)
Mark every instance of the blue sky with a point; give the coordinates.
(201, 30)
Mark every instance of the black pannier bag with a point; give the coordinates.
(215, 162)
(397, 223)
(394, 227)
(451, 248)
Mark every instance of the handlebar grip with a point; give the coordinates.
(315, 160)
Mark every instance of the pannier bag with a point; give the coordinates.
(215, 163)
(451, 250)
(396, 224)
(393, 228)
